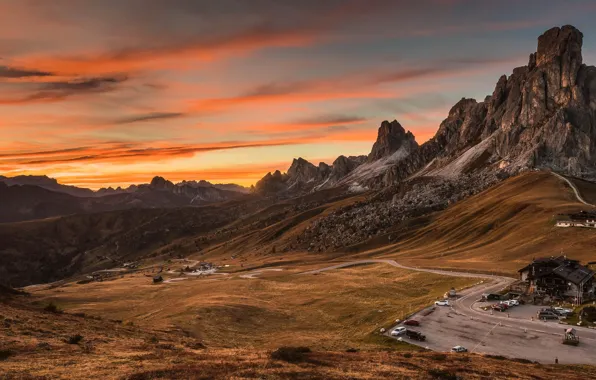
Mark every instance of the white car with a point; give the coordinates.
(513, 303)
(398, 331)
(459, 349)
(442, 303)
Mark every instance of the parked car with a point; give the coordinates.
(412, 322)
(562, 311)
(490, 297)
(398, 331)
(459, 349)
(415, 335)
(499, 307)
(442, 303)
(547, 314)
(511, 303)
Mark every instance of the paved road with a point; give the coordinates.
(465, 324)
(572, 185)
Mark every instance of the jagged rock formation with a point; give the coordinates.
(391, 137)
(393, 144)
(543, 115)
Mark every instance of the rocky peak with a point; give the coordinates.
(270, 183)
(301, 167)
(161, 183)
(343, 165)
(563, 46)
(461, 107)
(390, 138)
(302, 171)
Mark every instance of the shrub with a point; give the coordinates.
(522, 360)
(153, 340)
(195, 345)
(407, 355)
(44, 346)
(166, 346)
(352, 350)
(290, 354)
(75, 339)
(52, 308)
(496, 357)
(439, 357)
(442, 374)
(4, 354)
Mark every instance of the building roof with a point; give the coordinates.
(577, 216)
(554, 261)
(575, 274)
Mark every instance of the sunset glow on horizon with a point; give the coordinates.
(97, 94)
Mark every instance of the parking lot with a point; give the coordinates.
(521, 312)
(515, 335)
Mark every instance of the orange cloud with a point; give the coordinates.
(121, 153)
(131, 60)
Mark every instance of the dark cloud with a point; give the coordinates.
(332, 119)
(123, 154)
(11, 72)
(408, 74)
(44, 152)
(150, 117)
(83, 85)
(60, 90)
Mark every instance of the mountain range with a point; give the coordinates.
(543, 115)
(34, 197)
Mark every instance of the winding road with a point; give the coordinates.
(574, 188)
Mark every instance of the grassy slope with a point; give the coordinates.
(498, 230)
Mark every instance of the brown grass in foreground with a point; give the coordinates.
(37, 346)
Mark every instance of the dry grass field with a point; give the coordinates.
(332, 310)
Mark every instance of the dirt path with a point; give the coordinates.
(398, 265)
(575, 190)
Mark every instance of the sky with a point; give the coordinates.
(114, 92)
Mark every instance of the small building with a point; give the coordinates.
(559, 277)
(579, 219)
